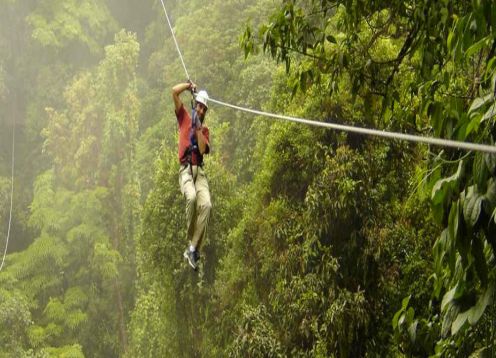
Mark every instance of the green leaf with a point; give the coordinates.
(445, 185)
(410, 313)
(399, 317)
(479, 102)
(479, 172)
(489, 69)
(396, 318)
(490, 195)
(412, 331)
(331, 39)
(440, 249)
(472, 206)
(476, 47)
(447, 298)
(489, 113)
(475, 313)
(453, 220)
(450, 44)
(490, 159)
(459, 322)
(448, 318)
(472, 125)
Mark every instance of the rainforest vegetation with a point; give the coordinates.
(321, 243)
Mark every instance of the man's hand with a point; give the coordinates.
(192, 86)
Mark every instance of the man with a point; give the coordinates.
(193, 144)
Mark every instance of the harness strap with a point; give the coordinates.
(193, 146)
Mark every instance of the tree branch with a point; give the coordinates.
(290, 49)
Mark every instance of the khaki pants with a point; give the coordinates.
(194, 187)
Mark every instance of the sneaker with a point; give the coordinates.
(192, 258)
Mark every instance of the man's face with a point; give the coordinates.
(200, 111)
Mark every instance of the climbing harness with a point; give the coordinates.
(193, 148)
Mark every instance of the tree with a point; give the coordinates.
(443, 63)
(80, 267)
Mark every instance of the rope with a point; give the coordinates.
(11, 194)
(175, 41)
(365, 131)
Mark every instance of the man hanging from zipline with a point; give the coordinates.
(193, 144)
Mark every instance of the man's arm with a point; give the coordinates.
(202, 136)
(177, 90)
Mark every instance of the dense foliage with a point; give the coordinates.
(320, 244)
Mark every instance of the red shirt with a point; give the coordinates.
(184, 121)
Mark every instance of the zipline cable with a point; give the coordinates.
(11, 193)
(374, 132)
(360, 130)
(175, 41)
